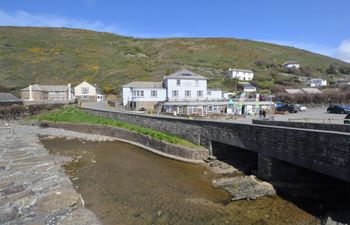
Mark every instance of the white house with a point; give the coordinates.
(85, 92)
(319, 82)
(214, 94)
(241, 74)
(185, 85)
(291, 65)
(248, 87)
(146, 95)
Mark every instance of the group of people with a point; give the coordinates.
(262, 114)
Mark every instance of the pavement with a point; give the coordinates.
(33, 186)
(317, 114)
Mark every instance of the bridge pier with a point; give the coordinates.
(271, 169)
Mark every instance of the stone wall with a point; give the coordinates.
(315, 126)
(167, 148)
(325, 152)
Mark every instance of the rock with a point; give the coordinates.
(7, 213)
(245, 187)
(13, 190)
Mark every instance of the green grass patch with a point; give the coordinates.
(75, 115)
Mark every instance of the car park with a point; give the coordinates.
(338, 109)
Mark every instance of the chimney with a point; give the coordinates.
(30, 93)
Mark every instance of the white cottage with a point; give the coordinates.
(143, 95)
(291, 65)
(85, 92)
(241, 74)
(319, 82)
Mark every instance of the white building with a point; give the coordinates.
(248, 87)
(214, 94)
(146, 95)
(185, 85)
(241, 74)
(85, 92)
(291, 65)
(319, 82)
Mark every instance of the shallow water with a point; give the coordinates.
(124, 184)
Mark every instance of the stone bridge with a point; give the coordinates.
(280, 151)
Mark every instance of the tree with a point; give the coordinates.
(332, 69)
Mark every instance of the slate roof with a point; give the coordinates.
(7, 97)
(143, 84)
(290, 62)
(241, 70)
(294, 91)
(37, 87)
(311, 90)
(185, 74)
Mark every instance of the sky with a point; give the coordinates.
(321, 26)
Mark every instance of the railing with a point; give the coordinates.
(329, 120)
(9, 129)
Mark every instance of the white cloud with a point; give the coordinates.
(22, 18)
(343, 51)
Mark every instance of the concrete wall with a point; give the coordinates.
(315, 126)
(322, 151)
(174, 150)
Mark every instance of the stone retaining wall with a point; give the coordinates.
(314, 126)
(167, 148)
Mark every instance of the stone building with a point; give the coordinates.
(47, 93)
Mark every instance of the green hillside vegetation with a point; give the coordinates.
(75, 115)
(60, 55)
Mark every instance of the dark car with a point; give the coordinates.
(338, 109)
(347, 119)
(287, 108)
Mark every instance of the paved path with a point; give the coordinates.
(33, 186)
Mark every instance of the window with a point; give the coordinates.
(199, 93)
(196, 82)
(142, 93)
(175, 93)
(154, 94)
(134, 93)
(178, 82)
(187, 93)
(208, 92)
(85, 90)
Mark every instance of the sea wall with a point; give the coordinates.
(192, 155)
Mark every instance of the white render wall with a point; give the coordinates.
(78, 89)
(241, 75)
(186, 85)
(292, 65)
(128, 95)
(214, 95)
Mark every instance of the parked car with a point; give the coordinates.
(300, 107)
(338, 109)
(291, 108)
(347, 119)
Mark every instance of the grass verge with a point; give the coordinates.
(75, 115)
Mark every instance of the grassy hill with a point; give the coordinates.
(60, 55)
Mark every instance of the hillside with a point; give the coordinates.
(60, 55)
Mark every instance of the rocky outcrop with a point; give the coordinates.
(245, 187)
(34, 188)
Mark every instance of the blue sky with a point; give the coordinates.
(320, 26)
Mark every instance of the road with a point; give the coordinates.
(312, 115)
